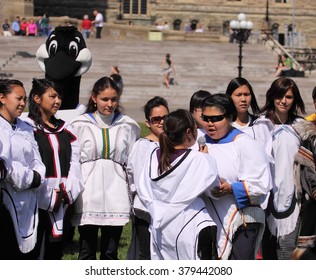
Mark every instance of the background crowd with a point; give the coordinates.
(226, 179)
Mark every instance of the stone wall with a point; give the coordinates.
(211, 14)
(10, 9)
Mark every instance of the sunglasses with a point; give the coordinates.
(157, 119)
(213, 119)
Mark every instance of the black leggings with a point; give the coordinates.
(88, 242)
(244, 242)
(207, 244)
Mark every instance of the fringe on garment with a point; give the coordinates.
(304, 157)
(247, 215)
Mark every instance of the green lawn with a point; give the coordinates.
(71, 251)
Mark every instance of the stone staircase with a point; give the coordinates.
(199, 65)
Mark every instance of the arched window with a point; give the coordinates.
(177, 24)
(135, 7)
(194, 23)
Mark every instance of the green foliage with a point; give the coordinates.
(72, 249)
(144, 129)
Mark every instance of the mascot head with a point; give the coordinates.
(64, 58)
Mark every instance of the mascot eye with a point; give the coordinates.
(52, 49)
(73, 49)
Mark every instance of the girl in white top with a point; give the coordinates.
(170, 185)
(25, 173)
(282, 108)
(245, 180)
(106, 137)
(156, 109)
(59, 150)
(243, 96)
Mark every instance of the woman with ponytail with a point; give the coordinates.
(171, 186)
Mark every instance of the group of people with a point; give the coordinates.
(57, 175)
(22, 27)
(225, 179)
(42, 27)
(87, 24)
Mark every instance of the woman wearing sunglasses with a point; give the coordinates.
(106, 137)
(245, 178)
(156, 109)
(170, 186)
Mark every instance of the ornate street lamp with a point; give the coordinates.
(241, 31)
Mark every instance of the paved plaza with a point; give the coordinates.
(199, 65)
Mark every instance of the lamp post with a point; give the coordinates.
(241, 31)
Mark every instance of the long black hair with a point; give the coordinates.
(99, 86)
(40, 87)
(7, 85)
(152, 103)
(277, 90)
(238, 82)
(175, 127)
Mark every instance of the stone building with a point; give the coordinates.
(212, 15)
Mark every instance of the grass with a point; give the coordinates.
(71, 251)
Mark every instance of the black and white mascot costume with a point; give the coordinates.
(65, 58)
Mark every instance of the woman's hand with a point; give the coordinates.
(224, 189)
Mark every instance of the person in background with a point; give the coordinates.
(23, 27)
(117, 77)
(283, 107)
(312, 117)
(244, 99)
(156, 109)
(167, 68)
(31, 29)
(170, 186)
(25, 173)
(45, 26)
(16, 26)
(98, 23)
(195, 107)
(106, 137)
(59, 151)
(86, 25)
(305, 183)
(241, 92)
(115, 70)
(6, 28)
(287, 64)
(245, 181)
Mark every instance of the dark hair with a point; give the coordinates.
(168, 59)
(100, 85)
(277, 90)
(119, 81)
(7, 85)
(40, 87)
(237, 83)
(175, 127)
(152, 103)
(197, 99)
(222, 101)
(314, 93)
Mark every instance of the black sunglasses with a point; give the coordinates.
(213, 119)
(157, 119)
